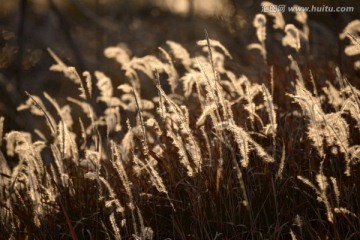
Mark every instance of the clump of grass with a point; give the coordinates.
(213, 156)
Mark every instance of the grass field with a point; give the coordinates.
(245, 129)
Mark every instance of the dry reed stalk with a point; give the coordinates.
(86, 107)
(113, 201)
(279, 173)
(67, 143)
(180, 53)
(325, 130)
(47, 115)
(71, 73)
(292, 37)
(173, 77)
(295, 67)
(241, 136)
(120, 170)
(216, 94)
(314, 84)
(320, 191)
(144, 140)
(210, 88)
(208, 146)
(182, 120)
(336, 190)
(161, 102)
(213, 43)
(240, 178)
(179, 144)
(88, 82)
(260, 24)
(250, 106)
(114, 226)
(1, 129)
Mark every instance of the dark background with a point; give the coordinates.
(79, 30)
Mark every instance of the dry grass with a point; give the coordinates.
(212, 157)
